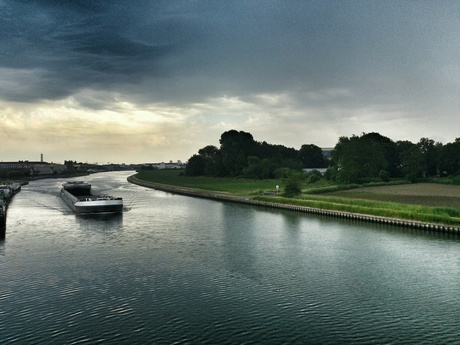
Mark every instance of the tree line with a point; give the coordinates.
(372, 156)
(240, 155)
(354, 159)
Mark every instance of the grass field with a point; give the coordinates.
(238, 186)
(423, 202)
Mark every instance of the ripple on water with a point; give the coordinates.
(181, 270)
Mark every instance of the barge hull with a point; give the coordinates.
(92, 204)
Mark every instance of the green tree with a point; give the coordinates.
(348, 159)
(195, 166)
(429, 150)
(411, 160)
(311, 156)
(359, 158)
(212, 161)
(253, 168)
(209, 151)
(235, 148)
(259, 168)
(449, 158)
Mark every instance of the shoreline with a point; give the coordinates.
(221, 196)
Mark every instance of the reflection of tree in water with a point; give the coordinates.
(239, 241)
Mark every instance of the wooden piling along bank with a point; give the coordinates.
(303, 209)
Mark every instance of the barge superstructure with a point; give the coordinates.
(78, 196)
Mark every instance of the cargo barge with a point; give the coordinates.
(79, 197)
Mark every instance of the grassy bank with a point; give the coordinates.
(264, 190)
(237, 186)
(441, 215)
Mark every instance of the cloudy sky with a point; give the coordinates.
(149, 80)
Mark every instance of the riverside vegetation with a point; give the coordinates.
(324, 194)
(244, 167)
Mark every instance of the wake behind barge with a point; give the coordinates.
(78, 196)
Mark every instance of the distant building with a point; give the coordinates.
(171, 165)
(163, 165)
(327, 151)
(322, 171)
(34, 168)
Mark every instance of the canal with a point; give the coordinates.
(178, 269)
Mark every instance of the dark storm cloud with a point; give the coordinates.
(74, 44)
(289, 71)
(188, 51)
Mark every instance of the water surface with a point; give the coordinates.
(177, 269)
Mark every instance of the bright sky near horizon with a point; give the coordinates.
(147, 81)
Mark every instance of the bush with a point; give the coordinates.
(282, 172)
(330, 174)
(314, 176)
(384, 175)
(292, 189)
(293, 184)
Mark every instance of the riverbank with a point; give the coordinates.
(7, 192)
(297, 208)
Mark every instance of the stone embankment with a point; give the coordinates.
(303, 209)
(7, 191)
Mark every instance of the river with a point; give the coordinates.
(184, 270)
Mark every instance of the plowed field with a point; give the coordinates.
(428, 194)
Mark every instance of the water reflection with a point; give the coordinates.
(178, 269)
(239, 242)
(104, 223)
